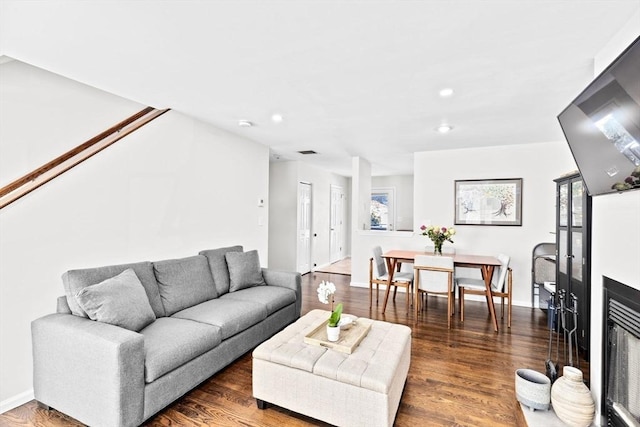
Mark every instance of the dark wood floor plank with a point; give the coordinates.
(463, 376)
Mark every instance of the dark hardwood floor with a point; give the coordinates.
(458, 377)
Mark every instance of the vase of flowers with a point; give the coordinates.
(438, 236)
(326, 291)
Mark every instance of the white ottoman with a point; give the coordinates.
(358, 389)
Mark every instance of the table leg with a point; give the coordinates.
(391, 268)
(487, 274)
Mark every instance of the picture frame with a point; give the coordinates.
(488, 202)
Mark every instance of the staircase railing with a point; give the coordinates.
(45, 173)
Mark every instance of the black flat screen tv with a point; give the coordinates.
(602, 126)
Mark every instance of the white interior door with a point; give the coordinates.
(336, 231)
(304, 227)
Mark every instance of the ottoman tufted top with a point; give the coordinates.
(372, 365)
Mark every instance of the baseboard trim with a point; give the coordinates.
(15, 401)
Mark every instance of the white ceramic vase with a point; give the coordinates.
(333, 333)
(571, 398)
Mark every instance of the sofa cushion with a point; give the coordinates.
(244, 270)
(184, 282)
(74, 280)
(120, 301)
(170, 343)
(218, 265)
(231, 316)
(272, 297)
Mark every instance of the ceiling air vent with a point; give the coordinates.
(307, 152)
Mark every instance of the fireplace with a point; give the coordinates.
(621, 354)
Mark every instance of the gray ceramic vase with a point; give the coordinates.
(533, 389)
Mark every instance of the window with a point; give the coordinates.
(382, 208)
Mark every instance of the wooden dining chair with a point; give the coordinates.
(433, 274)
(501, 287)
(379, 275)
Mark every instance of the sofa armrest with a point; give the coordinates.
(286, 279)
(89, 370)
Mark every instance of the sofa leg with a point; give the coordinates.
(43, 406)
(262, 404)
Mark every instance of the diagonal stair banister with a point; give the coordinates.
(75, 156)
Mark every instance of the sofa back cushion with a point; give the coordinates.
(244, 270)
(184, 282)
(218, 265)
(75, 280)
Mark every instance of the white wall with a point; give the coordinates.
(283, 221)
(435, 173)
(403, 185)
(42, 108)
(170, 189)
(360, 196)
(283, 188)
(615, 242)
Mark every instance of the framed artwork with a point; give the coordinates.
(488, 202)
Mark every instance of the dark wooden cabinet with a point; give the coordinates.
(573, 245)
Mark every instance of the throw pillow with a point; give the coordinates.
(244, 270)
(120, 301)
(218, 265)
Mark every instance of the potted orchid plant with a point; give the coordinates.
(326, 291)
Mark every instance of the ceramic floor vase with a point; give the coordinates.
(571, 398)
(533, 389)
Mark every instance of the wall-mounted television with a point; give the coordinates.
(602, 126)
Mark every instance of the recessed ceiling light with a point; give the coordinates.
(245, 123)
(446, 92)
(444, 128)
(277, 118)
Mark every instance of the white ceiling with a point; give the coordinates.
(351, 78)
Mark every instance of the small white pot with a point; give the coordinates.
(333, 333)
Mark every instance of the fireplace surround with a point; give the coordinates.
(621, 354)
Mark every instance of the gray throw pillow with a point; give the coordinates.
(120, 301)
(218, 265)
(244, 270)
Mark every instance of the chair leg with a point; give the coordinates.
(509, 311)
(386, 299)
(395, 289)
(453, 303)
(461, 296)
(377, 293)
(407, 298)
(370, 295)
(449, 311)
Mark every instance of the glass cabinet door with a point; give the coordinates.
(563, 205)
(577, 190)
(563, 222)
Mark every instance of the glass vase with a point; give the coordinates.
(437, 248)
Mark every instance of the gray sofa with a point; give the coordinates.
(127, 340)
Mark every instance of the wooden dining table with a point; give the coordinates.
(486, 264)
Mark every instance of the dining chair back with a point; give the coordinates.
(379, 275)
(501, 287)
(433, 274)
